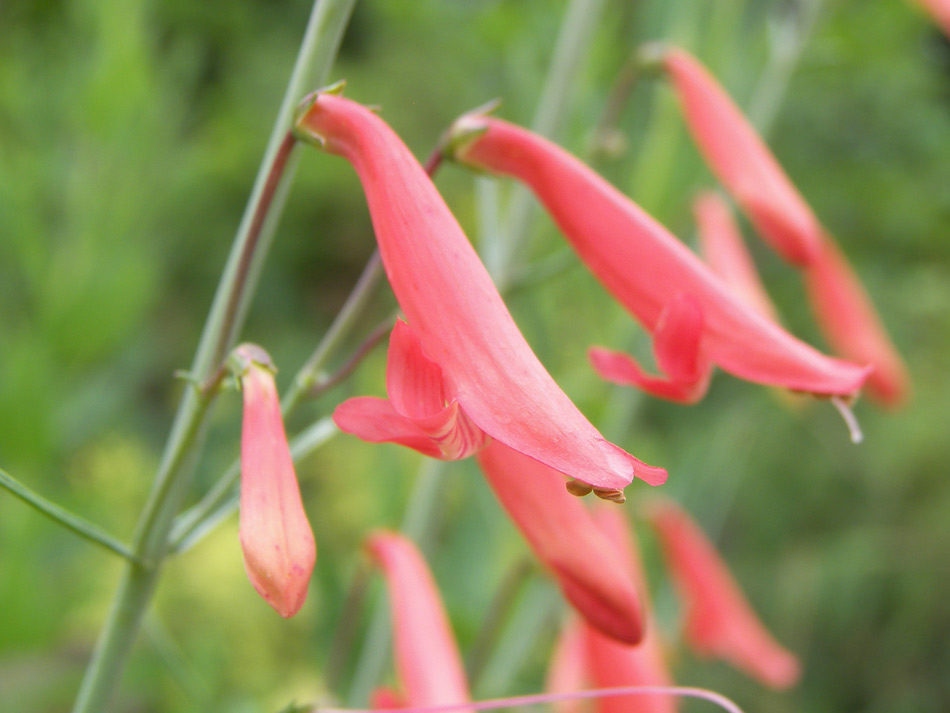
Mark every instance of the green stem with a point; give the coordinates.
(70, 521)
(577, 31)
(321, 41)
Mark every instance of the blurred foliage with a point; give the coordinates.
(130, 133)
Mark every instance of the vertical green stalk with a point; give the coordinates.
(320, 44)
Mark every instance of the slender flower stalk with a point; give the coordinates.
(743, 163)
(851, 325)
(719, 620)
(695, 319)
(427, 658)
(279, 549)
(560, 530)
(454, 309)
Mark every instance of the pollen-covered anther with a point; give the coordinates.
(613, 495)
(578, 487)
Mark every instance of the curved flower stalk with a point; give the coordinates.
(722, 247)
(695, 320)
(455, 311)
(279, 549)
(427, 658)
(743, 163)
(719, 620)
(561, 532)
(851, 325)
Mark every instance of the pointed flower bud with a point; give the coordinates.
(719, 620)
(739, 158)
(427, 658)
(559, 529)
(278, 544)
(695, 319)
(454, 309)
(851, 324)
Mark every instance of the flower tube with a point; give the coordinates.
(278, 544)
(454, 309)
(743, 163)
(427, 658)
(851, 324)
(695, 319)
(719, 620)
(586, 564)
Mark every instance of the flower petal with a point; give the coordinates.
(741, 160)
(643, 265)
(413, 382)
(375, 420)
(719, 620)
(427, 657)
(621, 368)
(453, 306)
(562, 534)
(851, 325)
(278, 544)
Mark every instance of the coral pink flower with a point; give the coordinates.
(455, 311)
(278, 544)
(643, 665)
(427, 658)
(741, 160)
(719, 620)
(851, 325)
(695, 319)
(560, 530)
(723, 249)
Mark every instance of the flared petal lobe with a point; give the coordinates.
(719, 620)
(427, 658)
(452, 305)
(416, 414)
(646, 269)
(562, 534)
(278, 544)
(743, 163)
(851, 324)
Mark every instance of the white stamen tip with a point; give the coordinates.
(851, 421)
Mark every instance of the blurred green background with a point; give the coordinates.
(130, 133)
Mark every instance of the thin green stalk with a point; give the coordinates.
(64, 517)
(576, 34)
(321, 41)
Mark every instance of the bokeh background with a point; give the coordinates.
(130, 132)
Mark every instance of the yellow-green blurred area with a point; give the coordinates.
(130, 134)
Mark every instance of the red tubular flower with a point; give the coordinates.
(851, 325)
(693, 316)
(278, 544)
(613, 665)
(719, 620)
(560, 530)
(454, 310)
(741, 160)
(723, 249)
(427, 658)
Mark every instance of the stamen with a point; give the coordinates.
(613, 495)
(578, 487)
(854, 428)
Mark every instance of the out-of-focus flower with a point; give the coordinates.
(939, 10)
(851, 324)
(741, 160)
(278, 544)
(723, 249)
(428, 662)
(695, 319)
(454, 309)
(560, 530)
(719, 620)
